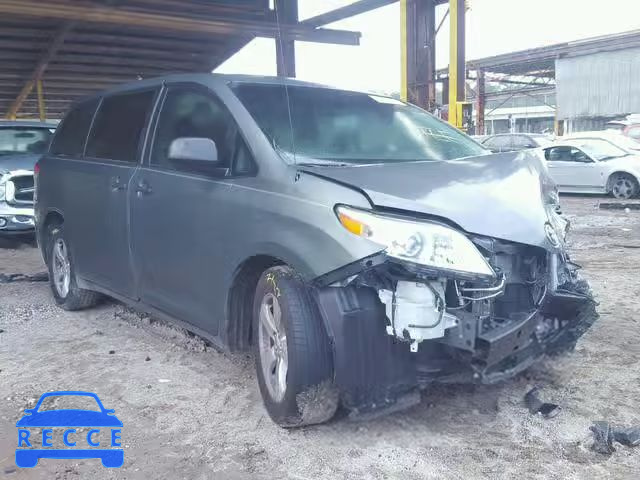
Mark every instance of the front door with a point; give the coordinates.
(572, 169)
(100, 223)
(180, 211)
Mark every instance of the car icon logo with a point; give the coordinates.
(70, 420)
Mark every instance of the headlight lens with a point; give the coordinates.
(2, 190)
(424, 243)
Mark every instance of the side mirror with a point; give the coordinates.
(194, 149)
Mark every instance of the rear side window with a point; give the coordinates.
(118, 126)
(72, 133)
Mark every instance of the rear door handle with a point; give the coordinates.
(143, 188)
(117, 185)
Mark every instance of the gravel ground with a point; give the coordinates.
(190, 412)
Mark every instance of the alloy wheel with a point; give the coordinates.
(623, 188)
(272, 339)
(61, 268)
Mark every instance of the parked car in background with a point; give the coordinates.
(21, 145)
(615, 138)
(355, 241)
(593, 165)
(629, 128)
(513, 142)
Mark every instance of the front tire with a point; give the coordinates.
(624, 186)
(292, 351)
(62, 277)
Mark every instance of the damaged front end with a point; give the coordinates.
(400, 320)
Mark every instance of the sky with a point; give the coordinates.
(493, 27)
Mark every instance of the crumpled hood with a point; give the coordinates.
(10, 163)
(492, 195)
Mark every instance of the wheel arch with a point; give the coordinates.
(612, 175)
(53, 217)
(237, 328)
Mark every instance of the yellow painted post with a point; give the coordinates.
(404, 89)
(41, 106)
(453, 62)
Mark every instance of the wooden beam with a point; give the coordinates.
(351, 10)
(286, 12)
(41, 108)
(158, 21)
(41, 66)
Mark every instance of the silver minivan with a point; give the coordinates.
(363, 248)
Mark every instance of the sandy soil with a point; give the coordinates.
(190, 412)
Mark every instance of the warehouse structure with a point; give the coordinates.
(56, 51)
(579, 85)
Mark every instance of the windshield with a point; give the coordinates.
(598, 149)
(351, 127)
(24, 140)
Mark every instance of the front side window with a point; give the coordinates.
(316, 123)
(72, 134)
(119, 125)
(566, 154)
(601, 150)
(17, 140)
(189, 112)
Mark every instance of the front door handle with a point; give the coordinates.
(117, 185)
(143, 188)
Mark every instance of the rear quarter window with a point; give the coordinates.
(118, 126)
(71, 135)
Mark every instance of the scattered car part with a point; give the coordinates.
(618, 206)
(22, 277)
(604, 434)
(537, 406)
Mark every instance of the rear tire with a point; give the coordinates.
(623, 186)
(292, 350)
(62, 278)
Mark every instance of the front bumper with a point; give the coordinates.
(16, 220)
(373, 370)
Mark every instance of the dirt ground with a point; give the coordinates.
(190, 412)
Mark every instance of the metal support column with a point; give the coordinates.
(286, 13)
(480, 102)
(456, 59)
(41, 106)
(417, 43)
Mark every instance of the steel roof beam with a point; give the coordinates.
(38, 71)
(157, 21)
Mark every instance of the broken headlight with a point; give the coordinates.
(430, 244)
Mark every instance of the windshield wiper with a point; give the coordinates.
(324, 163)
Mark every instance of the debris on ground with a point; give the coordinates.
(619, 206)
(537, 406)
(604, 434)
(21, 277)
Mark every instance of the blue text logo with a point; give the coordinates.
(104, 430)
